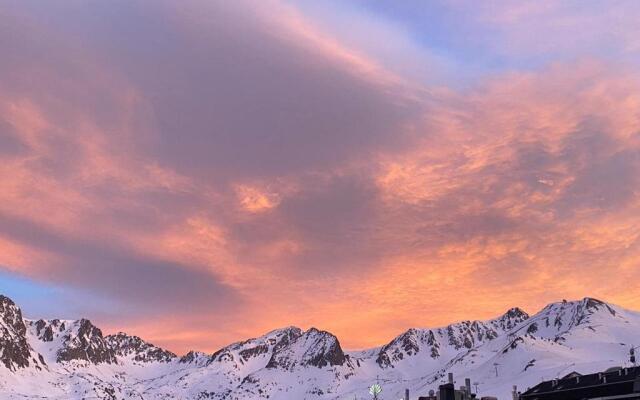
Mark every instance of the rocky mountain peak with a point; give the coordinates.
(283, 337)
(312, 348)
(589, 303)
(580, 309)
(84, 341)
(510, 319)
(559, 319)
(263, 347)
(15, 351)
(137, 349)
(408, 344)
(515, 313)
(198, 358)
(11, 315)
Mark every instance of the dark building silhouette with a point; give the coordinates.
(613, 384)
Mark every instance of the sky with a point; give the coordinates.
(201, 172)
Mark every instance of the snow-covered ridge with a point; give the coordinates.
(62, 359)
(68, 340)
(136, 350)
(452, 338)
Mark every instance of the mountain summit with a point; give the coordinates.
(15, 351)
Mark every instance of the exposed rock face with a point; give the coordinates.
(590, 305)
(195, 357)
(48, 330)
(511, 319)
(137, 349)
(83, 341)
(557, 320)
(243, 352)
(15, 351)
(459, 336)
(408, 344)
(313, 348)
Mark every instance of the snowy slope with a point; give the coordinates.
(62, 359)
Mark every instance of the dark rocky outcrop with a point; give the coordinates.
(48, 330)
(194, 357)
(313, 348)
(137, 349)
(15, 351)
(263, 346)
(85, 342)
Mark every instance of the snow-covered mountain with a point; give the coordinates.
(71, 359)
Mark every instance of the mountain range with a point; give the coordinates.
(72, 359)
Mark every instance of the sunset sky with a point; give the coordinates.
(201, 172)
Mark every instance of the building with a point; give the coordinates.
(612, 384)
(449, 392)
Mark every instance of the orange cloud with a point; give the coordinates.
(254, 200)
